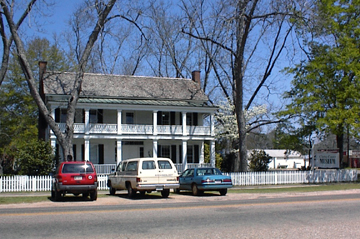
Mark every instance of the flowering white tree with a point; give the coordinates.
(227, 127)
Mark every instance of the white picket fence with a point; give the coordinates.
(43, 183)
(293, 177)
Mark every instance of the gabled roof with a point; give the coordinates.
(125, 87)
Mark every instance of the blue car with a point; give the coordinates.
(199, 180)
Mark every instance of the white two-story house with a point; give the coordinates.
(119, 117)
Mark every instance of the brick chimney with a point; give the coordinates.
(196, 77)
(42, 124)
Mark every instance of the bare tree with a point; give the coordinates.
(65, 139)
(246, 38)
(7, 41)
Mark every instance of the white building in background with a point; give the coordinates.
(285, 159)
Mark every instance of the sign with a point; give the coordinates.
(326, 159)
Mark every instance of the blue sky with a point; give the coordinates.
(53, 20)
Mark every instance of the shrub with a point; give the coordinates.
(259, 160)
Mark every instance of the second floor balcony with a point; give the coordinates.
(138, 129)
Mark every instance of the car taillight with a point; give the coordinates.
(138, 180)
(59, 178)
(227, 180)
(177, 178)
(208, 180)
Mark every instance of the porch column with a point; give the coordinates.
(184, 123)
(119, 128)
(201, 158)
(155, 123)
(212, 125)
(212, 153)
(118, 151)
(184, 153)
(155, 147)
(87, 148)
(87, 121)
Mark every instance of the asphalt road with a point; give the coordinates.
(285, 215)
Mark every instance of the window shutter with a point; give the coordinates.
(195, 115)
(196, 153)
(173, 153)
(172, 118)
(101, 154)
(159, 115)
(57, 115)
(100, 116)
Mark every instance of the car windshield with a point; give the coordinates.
(77, 168)
(208, 171)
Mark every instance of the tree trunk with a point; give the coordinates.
(340, 146)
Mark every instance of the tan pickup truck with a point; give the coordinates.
(144, 175)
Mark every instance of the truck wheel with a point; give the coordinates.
(57, 195)
(165, 193)
(112, 190)
(131, 191)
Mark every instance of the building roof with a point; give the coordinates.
(281, 153)
(125, 87)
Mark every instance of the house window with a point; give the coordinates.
(93, 116)
(129, 118)
(193, 154)
(96, 116)
(166, 118)
(192, 119)
(164, 151)
(62, 115)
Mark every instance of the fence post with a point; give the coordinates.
(34, 183)
(1, 185)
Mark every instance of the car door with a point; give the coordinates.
(187, 179)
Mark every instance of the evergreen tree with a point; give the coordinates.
(18, 111)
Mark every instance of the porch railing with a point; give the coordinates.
(139, 129)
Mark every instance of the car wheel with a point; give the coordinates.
(165, 193)
(112, 191)
(131, 191)
(93, 195)
(223, 192)
(195, 190)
